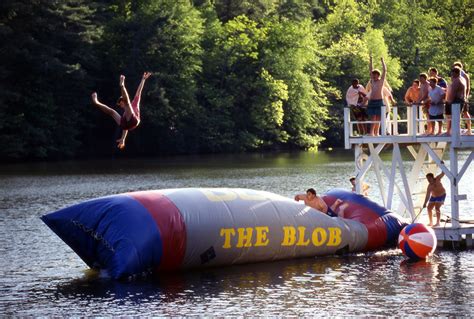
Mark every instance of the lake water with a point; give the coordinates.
(41, 276)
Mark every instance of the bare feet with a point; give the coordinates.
(120, 144)
(94, 98)
(435, 225)
(122, 80)
(146, 75)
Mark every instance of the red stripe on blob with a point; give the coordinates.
(376, 228)
(170, 224)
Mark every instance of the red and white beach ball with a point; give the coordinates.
(417, 241)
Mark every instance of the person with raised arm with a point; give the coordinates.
(130, 118)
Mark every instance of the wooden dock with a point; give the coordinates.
(404, 128)
(455, 237)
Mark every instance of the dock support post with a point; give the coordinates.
(347, 128)
(453, 159)
(469, 242)
(395, 121)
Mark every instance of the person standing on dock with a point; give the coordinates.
(355, 99)
(424, 101)
(457, 92)
(375, 104)
(436, 194)
(412, 93)
(464, 77)
(436, 111)
(433, 72)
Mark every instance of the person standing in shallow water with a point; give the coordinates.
(365, 187)
(130, 118)
(376, 97)
(436, 194)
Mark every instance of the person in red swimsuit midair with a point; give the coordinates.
(131, 115)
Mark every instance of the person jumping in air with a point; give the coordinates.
(130, 118)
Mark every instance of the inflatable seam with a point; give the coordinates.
(98, 237)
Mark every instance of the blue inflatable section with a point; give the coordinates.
(107, 235)
(393, 223)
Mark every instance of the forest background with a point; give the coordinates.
(228, 75)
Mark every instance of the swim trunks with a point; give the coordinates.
(358, 111)
(134, 120)
(463, 105)
(374, 107)
(436, 109)
(447, 109)
(437, 117)
(331, 213)
(438, 199)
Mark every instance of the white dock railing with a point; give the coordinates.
(412, 125)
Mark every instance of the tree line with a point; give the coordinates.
(228, 75)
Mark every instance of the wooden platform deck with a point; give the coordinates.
(465, 141)
(455, 237)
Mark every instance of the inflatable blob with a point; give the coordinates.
(175, 229)
(417, 241)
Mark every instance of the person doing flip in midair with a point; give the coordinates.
(130, 118)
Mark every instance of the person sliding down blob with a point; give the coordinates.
(130, 118)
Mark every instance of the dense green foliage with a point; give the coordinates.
(229, 75)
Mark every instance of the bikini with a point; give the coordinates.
(134, 120)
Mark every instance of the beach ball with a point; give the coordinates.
(417, 241)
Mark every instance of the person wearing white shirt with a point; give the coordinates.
(437, 96)
(355, 99)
